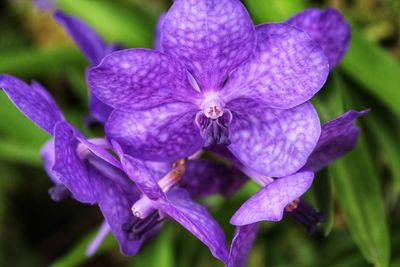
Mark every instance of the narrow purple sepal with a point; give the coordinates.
(89, 42)
(140, 174)
(68, 167)
(338, 137)
(204, 178)
(196, 219)
(273, 142)
(34, 101)
(286, 69)
(115, 201)
(98, 239)
(241, 245)
(269, 203)
(327, 27)
(212, 37)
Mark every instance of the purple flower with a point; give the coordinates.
(281, 195)
(84, 169)
(218, 80)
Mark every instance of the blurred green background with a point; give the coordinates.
(360, 193)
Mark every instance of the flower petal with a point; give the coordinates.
(88, 41)
(115, 201)
(34, 101)
(242, 243)
(329, 28)
(212, 37)
(204, 178)
(157, 37)
(68, 167)
(196, 219)
(139, 79)
(166, 133)
(142, 177)
(338, 137)
(287, 68)
(273, 142)
(269, 203)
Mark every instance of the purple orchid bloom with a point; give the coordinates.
(218, 80)
(84, 169)
(282, 195)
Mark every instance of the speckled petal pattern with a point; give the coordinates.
(204, 178)
(241, 245)
(166, 133)
(34, 101)
(338, 137)
(68, 167)
(196, 219)
(88, 41)
(212, 37)
(139, 79)
(115, 203)
(269, 203)
(329, 28)
(273, 142)
(142, 177)
(287, 68)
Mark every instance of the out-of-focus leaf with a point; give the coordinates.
(20, 139)
(356, 184)
(322, 191)
(76, 256)
(375, 70)
(113, 21)
(274, 10)
(388, 143)
(28, 63)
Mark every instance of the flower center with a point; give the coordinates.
(139, 227)
(144, 206)
(213, 120)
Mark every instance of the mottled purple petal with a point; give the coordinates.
(273, 142)
(34, 101)
(166, 133)
(212, 37)
(157, 37)
(269, 203)
(98, 109)
(338, 137)
(99, 150)
(142, 177)
(115, 202)
(88, 41)
(68, 167)
(196, 219)
(329, 28)
(139, 79)
(241, 245)
(204, 178)
(287, 68)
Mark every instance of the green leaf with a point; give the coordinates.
(20, 140)
(274, 10)
(374, 69)
(358, 192)
(76, 256)
(28, 62)
(113, 21)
